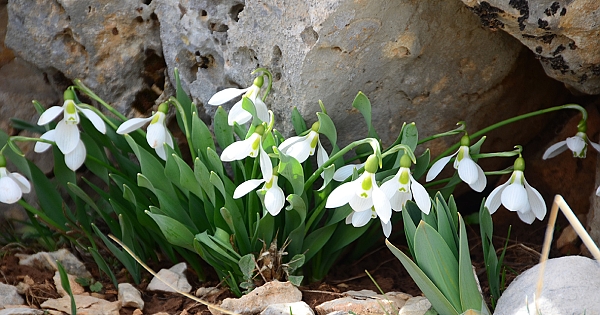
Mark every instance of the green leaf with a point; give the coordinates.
(152, 169)
(130, 264)
(64, 281)
(295, 280)
(315, 241)
(215, 162)
(112, 224)
(187, 178)
(410, 136)
(422, 163)
(202, 139)
(327, 127)
(410, 227)
(247, 266)
(298, 121)
(223, 132)
(103, 266)
(444, 227)
(292, 170)
(439, 302)
(438, 262)
(362, 103)
(174, 231)
(203, 178)
(470, 297)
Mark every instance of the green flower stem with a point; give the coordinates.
(332, 159)
(509, 121)
(11, 143)
(184, 119)
(270, 76)
(88, 92)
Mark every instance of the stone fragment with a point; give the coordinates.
(130, 296)
(174, 276)
(86, 305)
(563, 35)
(273, 292)
(47, 260)
(76, 288)
(358, 305)
(570, 287)
(138, 312)
(9, 295)
(207, 291)
(417, 305)
(21, 311)
(296, 308)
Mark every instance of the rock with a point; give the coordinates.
(570, 287)
(130, 296)
(364, 302)
(424, 61)
(9, 295)
(21, 311)
(76, 288)
(114, 47)
(86, 305)
(567, 241)
(563, 34)
(48, 261)
(204, 292)
(273, 292)
(296, 308)
(417, 305)
(174, 276)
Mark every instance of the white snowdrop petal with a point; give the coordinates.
(555, 150)
(420, 195)
(9, 190)
(346, 171)
(246, 187)
(527, 217)
(94, 118)
(66, 136)
(237, 150)
(595, 146)
(494, 200)
(514, 197)
(238, 114)
(536, 201)
(387, 228)
(262, 112)
(360, 203)
(21, 181)
(49, 115)
(576, 144)
(299, 150)
(75, 158)
(274, 200)
(43, 146)
(467, 171)
(156, 135)
(390, 187)
(361, 218)
(481, 182)
(399, 199)
(382, 205)
(161, 152)
(349, 217)
(287, 143)
(225, 96)
(133, 124)
(322, 155)
(340, 195)
(437, 167)
(266, 166)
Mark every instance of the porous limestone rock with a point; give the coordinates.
(175, 276)
(563, 34)
(417, 305)
(130, 296)
(9, 295)
(365, 302)
(425, 61)
(113, 46)
(273, 292)
(21, 311)
(76, 288)
(570, 287)
(86, 305)
(47, 260)
(296, 308)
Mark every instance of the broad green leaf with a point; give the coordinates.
(187, 178)
(214, 162)
(410, 136)
(223, 132)
(175, 232)
(203, 178)
(202, 139)
(298, 121)
(64, 281)
(112, 224)
(103, 266)
(439, 302)
(470, 297)
(443, 226)
(327, 127)
(172, 172)
(152, 169)
(438, 262)
(362, 103)
(130, 264)
(410, 227)
(315, 241)
(422, 163)
(292, 170)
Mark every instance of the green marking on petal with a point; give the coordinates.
(404, 176)
(367, 183)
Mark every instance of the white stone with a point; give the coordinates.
(257, 300)
(76, 288)
(296, 308)
(417, 305)
(174, 276)
(47, 260)
(364, 302)
(9, 295)
(571, 286)
(21, 311)
(130, 296)
(86, 305)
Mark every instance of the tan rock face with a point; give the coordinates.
(563, 34)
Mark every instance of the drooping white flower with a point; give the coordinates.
(363, 193)
(237, 113)
(517, 195)
(301, 147)
(73, 159)
(468, 171)
(274, 198)
(251, 147)
(359, 219)
(342, 173)
(577, 144)
(12, 185)
(67, 136)
(403, 187)
(157, 133)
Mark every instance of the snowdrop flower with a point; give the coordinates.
(517, 195)
(67, 136)
(73, 159)
(157, 134)
(301, 147)
(12, 185)
(346, 171)
(274, 198)
(577, 144)
(237, 113)
(403, 187)
(468, 170)
(359, 219)
(251, 147)
(362, 194)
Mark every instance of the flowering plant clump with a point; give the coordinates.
(263, 190)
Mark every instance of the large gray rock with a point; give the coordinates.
(570, 287)
(9, 295)
(564, 35)
(424, 61)
(113, 46)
